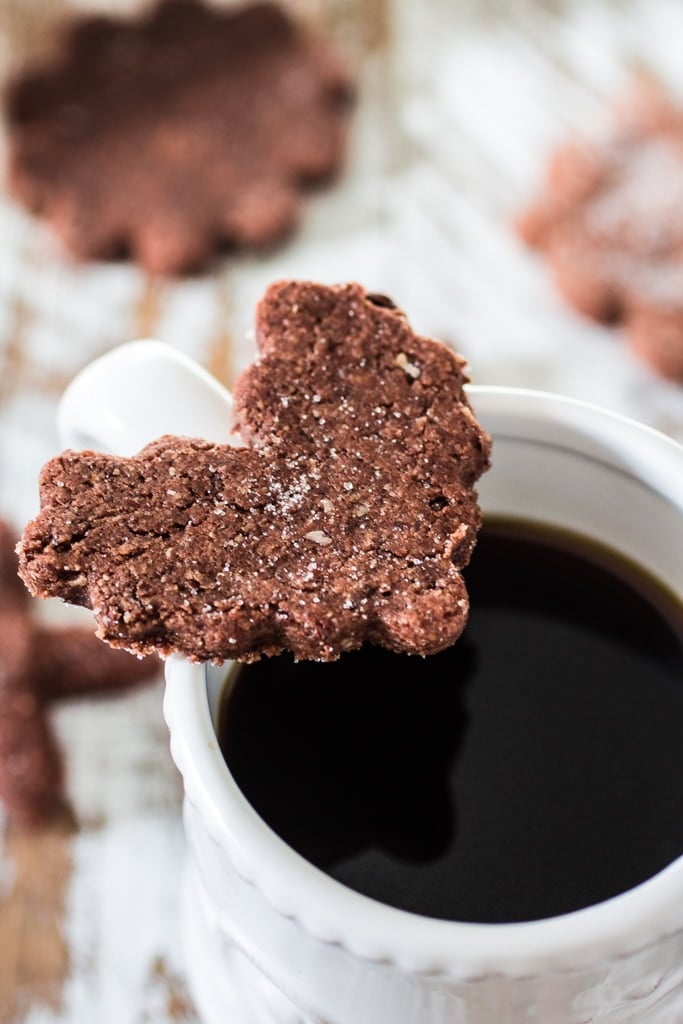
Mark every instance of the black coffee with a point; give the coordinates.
(533, 769)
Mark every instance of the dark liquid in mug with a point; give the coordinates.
(533, 769)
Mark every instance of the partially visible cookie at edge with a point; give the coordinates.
(169, 136)
(609, 220)
(39, 665)
(347, 516)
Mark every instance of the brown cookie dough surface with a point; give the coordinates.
(38, 665)
(610, 223)
(188, 129)
(347, 517)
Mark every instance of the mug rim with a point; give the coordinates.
(614, 928)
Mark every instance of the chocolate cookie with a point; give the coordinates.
(166, 137)
(347, 517)
(610, 223)
(38, 665)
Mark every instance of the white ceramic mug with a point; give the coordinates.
(270, 939)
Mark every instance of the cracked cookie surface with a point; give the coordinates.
(346, 517)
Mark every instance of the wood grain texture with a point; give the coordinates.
(34, 955)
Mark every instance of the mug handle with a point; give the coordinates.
(138, 392)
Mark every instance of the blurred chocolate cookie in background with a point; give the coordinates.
(38, 665)
(609, 220)
(187, 130)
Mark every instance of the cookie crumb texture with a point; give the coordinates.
(610, 223)
(172, 136)
(347, 517)
(38, 666)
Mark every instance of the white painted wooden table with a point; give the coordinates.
(450, 136)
